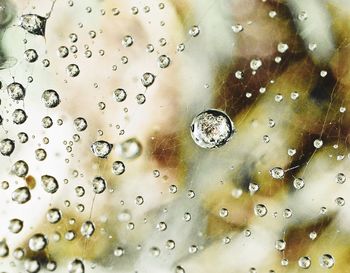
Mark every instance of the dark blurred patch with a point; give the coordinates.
(297, 237)
(165, 149)
(324, 87)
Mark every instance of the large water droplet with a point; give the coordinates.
(16, 91)
(87, 229)
(50, 98)
(99, 184)
(118, 167)
(15, 225)
(73, 70)
(304, 262)
(101, 148)
(20, 168)
(19, 116)
(80, 124)
(260, 210)
(7, 146)
(54, 215)
(327, 261)
(37, 242)
(31, 55)
(211, 129)
(33, 23)
(119, 95)
(49, 183)
(21, 195)
(147, 79)
(277, 173)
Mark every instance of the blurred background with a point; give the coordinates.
(134, 74)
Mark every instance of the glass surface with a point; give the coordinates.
(197, 136)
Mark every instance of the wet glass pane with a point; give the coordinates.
(193, 136)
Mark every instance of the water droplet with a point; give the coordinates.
(292, 152)
(127, 41)
(294, 95)
(49, 183)
(323, 73)
(281, 47)
(37, 242)
(31, 266)
(51, 265)
(50, 98)
(76, 266)
(302, 16)
(118, 252)
(30, 55)
(53, 215)
(179, 269)
(16, 91)
(155, 251)
(147, 79)
(340, 178)
(313, 235)
(87, 229)
(20, 168)
(266, 139)
(46, 122)
(140, 98)
(194, 31)
(280, 245)
(180, 47)
(46, 63)
(101, 148)
(163, 61)
(260, 210)
(253, 188)
(73, 37)
(139, 200)
(62, 51)
(7, 146)
(19, 116)
(237, 28)
(4, 249)
(298, 183)
(327, 261)
(340, 201)
(318, 143)
(80, 124)
(223, 212)
(119, 95)
(33, 23)
(98, 184)
(255, 64)
(40, 154)
(277, 173)
(73, 70)
(15, 225)
(278, 98)
(118, 167)
(304, 262)
(80, 191)
(211, 129)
